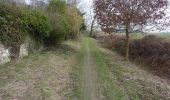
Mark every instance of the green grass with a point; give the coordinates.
(118, 81)
(108, 86)
(164, 35)
(76, 75)
(113, 82)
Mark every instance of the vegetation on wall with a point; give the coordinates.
(57, 21)
(38, 26)
(12, 28)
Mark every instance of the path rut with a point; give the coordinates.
(90, 84)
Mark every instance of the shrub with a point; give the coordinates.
(60, 26)
(153, 51)
(150, 50)
(65, 21)
(38, 25)
(58, 6)
(113, 42)
(56, 36)
(74, 20)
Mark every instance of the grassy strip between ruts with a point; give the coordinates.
(108, 86)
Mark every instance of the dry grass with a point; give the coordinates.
(136, 82)
(41, 76)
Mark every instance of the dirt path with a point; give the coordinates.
(90, 84)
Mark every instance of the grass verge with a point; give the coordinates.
(40, 76)
(76, 75)
(136, 84)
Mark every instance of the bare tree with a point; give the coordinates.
(38, 3)
(92, 25)
(73, 2)
(128, 15)
(91, 18)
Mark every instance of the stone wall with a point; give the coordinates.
(24, 50)
(5, 56)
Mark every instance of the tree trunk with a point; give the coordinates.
(127, 45)
(65, 37)
(15, 53)
(91, 29)
(92, 26)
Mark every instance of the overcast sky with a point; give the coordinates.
(86, 6)
(27, 1)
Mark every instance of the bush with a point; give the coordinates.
(55, 37)
(58, 6)
(38, 25)
(57, 20)
(150, 50)
(153, 51)
(65, 21)
(75, 21)
(113, 42)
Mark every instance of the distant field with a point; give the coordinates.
(164, 35)
(139, 35)
(133, 35)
